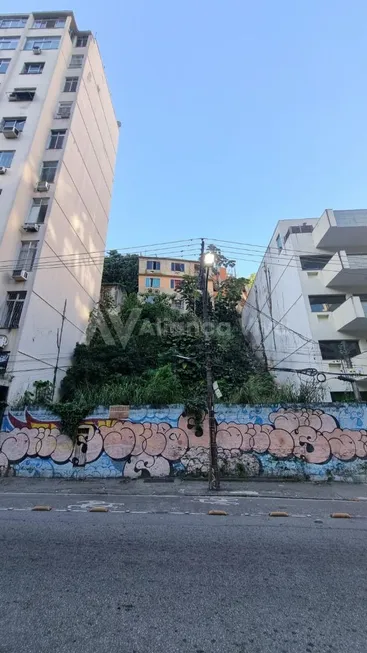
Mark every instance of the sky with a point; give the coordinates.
(235, 113)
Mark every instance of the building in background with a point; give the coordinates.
(308, 305)
(58, 141)
(164, 275)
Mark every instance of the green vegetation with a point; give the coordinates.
(154, 354)
(121, 269)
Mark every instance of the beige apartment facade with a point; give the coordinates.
(58, 143)
(164, 276)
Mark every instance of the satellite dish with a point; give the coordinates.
(3, 341)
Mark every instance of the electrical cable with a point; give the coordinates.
(266, 248)
(183, 245)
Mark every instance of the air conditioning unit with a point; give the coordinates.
(3, 170)
(31, 226)
(64, 112)
(13, 97)
(43, 187)
(37, 50)
(20, 275)
(10, 132)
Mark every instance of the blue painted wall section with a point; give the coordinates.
(324, 441)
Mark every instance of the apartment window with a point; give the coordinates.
(279, 243)
(13, 309)
(152, 282)
(71, 84)
(30, 68)
(49, 23)
(9, 123)
(175, 283)
(38, 211)
(4, 63)
(8, 23)
(325, 303)
(6, 158)
(48, 171)
(64, 110)
(81, 41)
(153, 265)
(56, 139)
(9, 43)
(344, 397)
(4, 359)
(44, 42)
(339, 349)
(314, 262)
(178, 267)
(27, 255)
(76, 61)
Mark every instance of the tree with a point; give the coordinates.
(250, 280)
(229, 298)
(221, 261)
(121, 269)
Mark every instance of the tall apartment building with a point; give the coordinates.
(58, 141)
(308, 305)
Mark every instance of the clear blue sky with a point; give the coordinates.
(235, 114)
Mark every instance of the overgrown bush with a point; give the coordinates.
(262, 389)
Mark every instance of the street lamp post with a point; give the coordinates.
(213, 473)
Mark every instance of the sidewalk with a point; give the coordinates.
(179, 487)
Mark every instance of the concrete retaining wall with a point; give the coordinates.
(318, 442)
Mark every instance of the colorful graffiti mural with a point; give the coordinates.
(251, 441)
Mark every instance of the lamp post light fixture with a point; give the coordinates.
(209, 259)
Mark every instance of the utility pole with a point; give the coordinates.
(58, 344)
(347, 363)
(213, 473)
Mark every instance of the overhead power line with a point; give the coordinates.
(263, 248)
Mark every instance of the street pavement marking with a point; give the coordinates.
(278, 513)
(219, 513)
(98, 509)
(42, 508)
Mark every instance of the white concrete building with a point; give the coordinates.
(308, 305)
(58, 141)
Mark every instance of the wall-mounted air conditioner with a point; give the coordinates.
(63, 112)
(3, 170)
(43, 187)
(20, 275)
(31, 226)
(37, 50)
(10, 132)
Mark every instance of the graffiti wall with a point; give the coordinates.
(321, 442)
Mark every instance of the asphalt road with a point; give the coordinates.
(150, 583)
